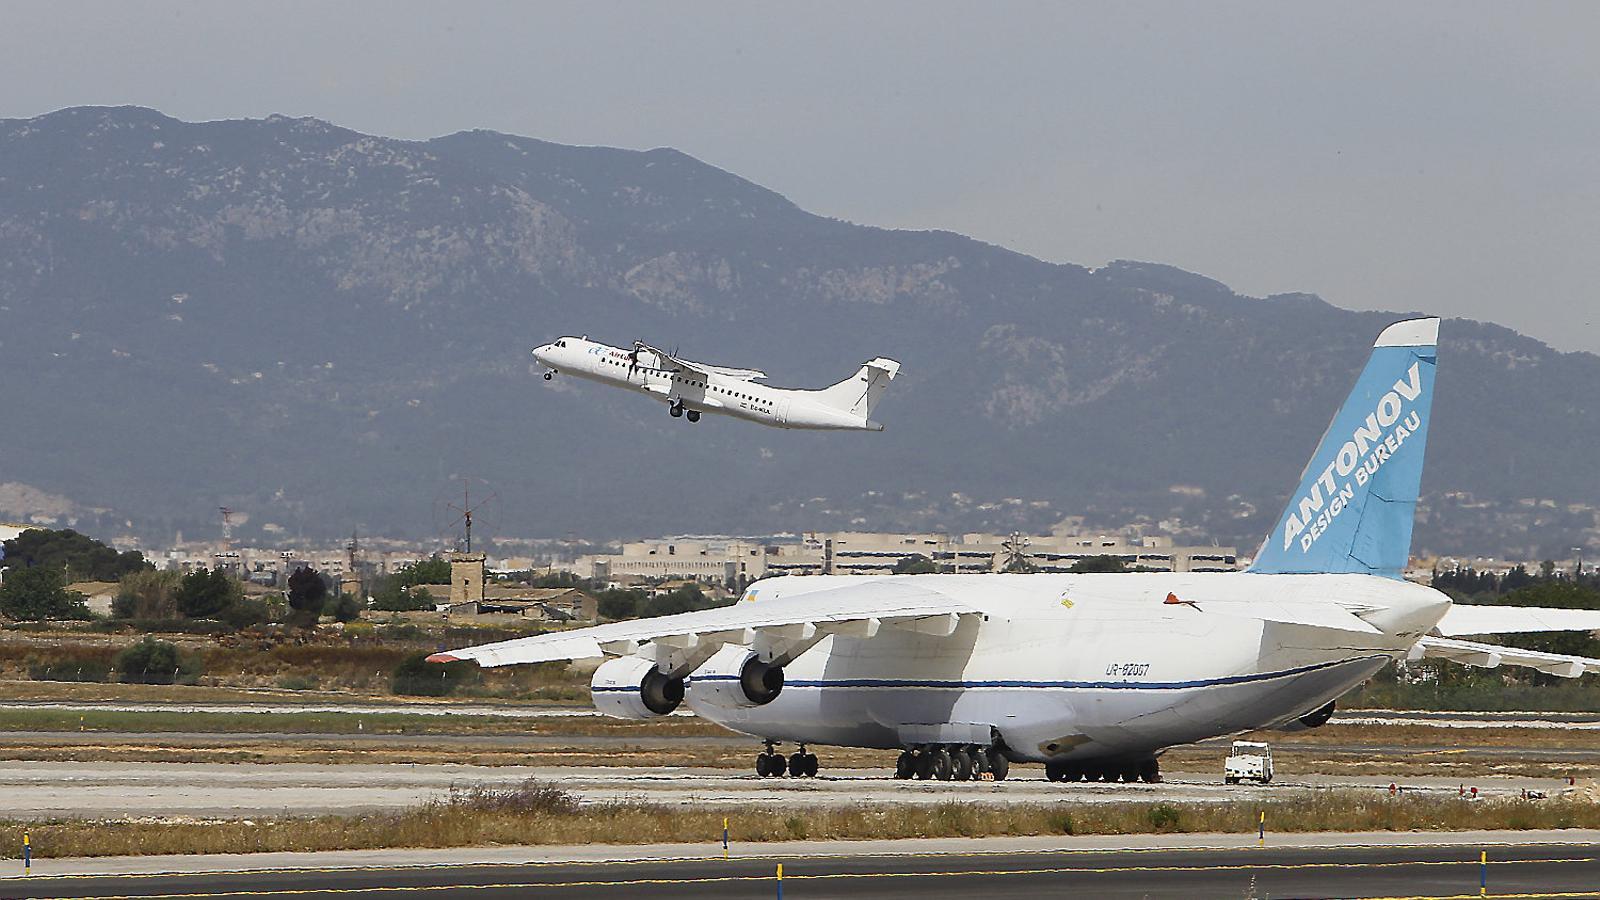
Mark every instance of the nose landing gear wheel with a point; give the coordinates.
(803, 764)
(549, 375)
(770, 763)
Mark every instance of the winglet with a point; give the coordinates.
(442, 658)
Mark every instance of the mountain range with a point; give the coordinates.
(326, 330)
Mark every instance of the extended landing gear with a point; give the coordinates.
(1128, 771)
(692, 415)
(952, 762)
(772, 764)
(550, 374)
(675, 409)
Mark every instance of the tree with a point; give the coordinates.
(307, 595)
(245, 613)
(433, 570)
(398, 598)
(156, 662)
(687, 598)
(398, 592)
(347, 608)
(915, 564)
(147, 594)
(204, 593)
(39, 593)
(619, 603)
(82, 558)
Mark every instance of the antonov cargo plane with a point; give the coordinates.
(690, 388)
(1092, 675)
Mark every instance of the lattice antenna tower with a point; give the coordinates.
(467, 508)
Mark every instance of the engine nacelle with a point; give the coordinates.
(633, 688)
(735, 679)
(1314, 719)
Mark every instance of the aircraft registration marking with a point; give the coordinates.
(1128, 670)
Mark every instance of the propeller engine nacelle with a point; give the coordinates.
(633, 688)
(1314, 719)
(735, 678)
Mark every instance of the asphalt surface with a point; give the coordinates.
(1366, 872)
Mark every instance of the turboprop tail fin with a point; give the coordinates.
(859, 393)
(1353, 510)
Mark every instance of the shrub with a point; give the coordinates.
(1164, 817)
(417, 677)
(347, 608)
(156, 662)
(298, 683)
(245, 613)
(69, 669)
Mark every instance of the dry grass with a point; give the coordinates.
(535, 813)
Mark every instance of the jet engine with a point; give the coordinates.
(1314, 719)
(630, 687)
(735, 678)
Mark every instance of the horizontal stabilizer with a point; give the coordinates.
(1490, 656)
(1467, 619)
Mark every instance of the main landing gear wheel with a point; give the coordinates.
(998, 764)
(905, 766)
(961, 764)
(1150, 771)
(675, 411)
(692, 414)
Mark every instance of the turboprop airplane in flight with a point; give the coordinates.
(690, 388)
(1092, 675)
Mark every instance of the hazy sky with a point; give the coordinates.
(1442, 157)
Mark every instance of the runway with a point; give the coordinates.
(1558, 870)
(30, 791)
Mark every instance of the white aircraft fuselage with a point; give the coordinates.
(691, 389)
(1065, 667)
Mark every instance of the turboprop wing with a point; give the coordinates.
(673, 362)
(849, 612)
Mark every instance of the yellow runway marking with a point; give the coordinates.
(972, 873)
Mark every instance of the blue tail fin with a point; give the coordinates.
(1357, 497)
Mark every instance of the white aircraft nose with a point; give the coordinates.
(541, 351)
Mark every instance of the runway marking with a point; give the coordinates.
(835, 876)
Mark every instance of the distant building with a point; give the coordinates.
(741, 560)
(541, 604)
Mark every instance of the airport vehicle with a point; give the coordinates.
(691, 389)
(1093, 675)
(1250, 760)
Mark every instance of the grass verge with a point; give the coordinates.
(537, 813)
